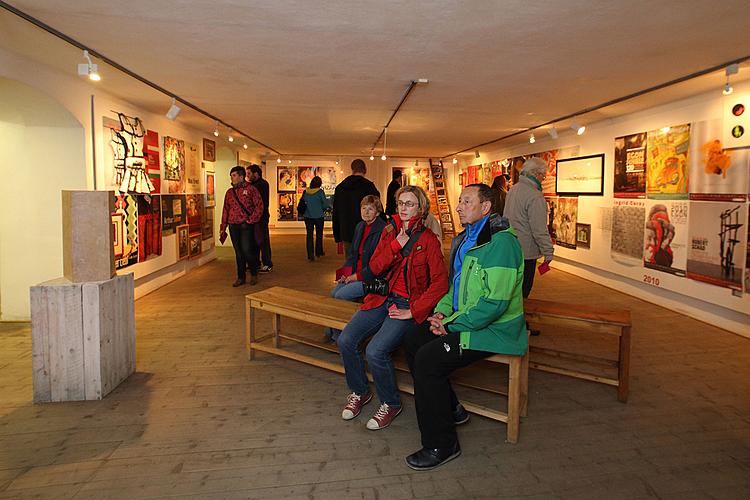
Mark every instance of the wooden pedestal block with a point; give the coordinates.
(83, 338)
(88, 251)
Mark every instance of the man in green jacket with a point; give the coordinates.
(482, 314)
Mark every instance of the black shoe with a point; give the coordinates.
(535, 333)
(237, 283)
(430, 458)
(460, 415)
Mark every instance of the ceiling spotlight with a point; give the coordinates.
(476, 154)
(278, 160)
(532, 139)
(89, 68)
(416, 163)
(665, 130)
(385, 142)
(455, 160)
(579, 129)
(383, 157)
(552, 131)
(216, 129)
(174, 110)
(290, 162)
(231, 139)
(372, 156)
(244, 145)
(732, 69)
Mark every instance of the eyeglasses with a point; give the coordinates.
(407, 204)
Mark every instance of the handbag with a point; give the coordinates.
(381, 285)
(301, 206)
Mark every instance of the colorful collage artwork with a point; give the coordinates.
(667, 162)
(174, 165)
(125, 226)
(716, 174)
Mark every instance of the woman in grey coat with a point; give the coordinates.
(526, 209)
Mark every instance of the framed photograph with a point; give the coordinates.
(210, 190)
(209, 150)
(580, 176)
(183, 245)
(195, 242)
(208, 224)
(583, 235)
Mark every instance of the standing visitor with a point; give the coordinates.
(390, 200)
(315, 206)
(500, 188)
(243, 208)
(346, 200)
(264, 245)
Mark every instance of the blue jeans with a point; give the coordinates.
(345, 291)
(387, 335)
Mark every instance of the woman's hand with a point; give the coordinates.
(402, 237)
(350, 278)
(396, 313)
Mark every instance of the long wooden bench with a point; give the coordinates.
(334, 313)
(543, 314)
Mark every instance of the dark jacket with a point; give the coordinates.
(390, 202)
(426, 275)
(346, 200)
(262, 186)
(373, 237)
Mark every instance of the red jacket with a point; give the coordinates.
(427, 275)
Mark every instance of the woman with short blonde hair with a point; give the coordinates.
(422, 199)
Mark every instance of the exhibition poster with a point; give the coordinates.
(287, 179)
(566, 217)
(665, 236)
(552, 217)
(287, 207)
(195, 212)
(149, 226)
(667, 162)
(173, 212)
(174, 165)
(125, 226)
(151, 150)
(328, 175)
(627, 231)
(304, 176)
(630, 166)
(718, 242)
(716, 173)
(192, 169)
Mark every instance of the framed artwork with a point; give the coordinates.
(580, 176)
(195, 242)
(583, 235)
(208, 224)
(183, 246)
(210, 190)
(192, 169)
(630, 166)
(209, 150)
(286, 205)
(304, 176)
(149, 226)
(566, 218)
(153, 159)
(173, 212)
(287, 179)
(667, 162)
(174, 165)
(195, 212)
(125, 220)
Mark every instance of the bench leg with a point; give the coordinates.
(276, 327)
(514, 399)
(525, 384)
(623, 366)
(249, 330)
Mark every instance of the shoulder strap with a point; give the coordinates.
(406, 250)
(244, 208)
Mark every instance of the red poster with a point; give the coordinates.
(151, 152)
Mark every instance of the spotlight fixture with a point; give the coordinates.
(476, 154)
(455, 160)
(372, 156)
(89, 68)
(579, 129)
(174, 110)
(385, 142)
(416, 163)
(732, 69)
(231, 139)
(216, 129)
(244, 146)
(289, 161)
(278, 160)
(552, 131)
(532, 139)
(665, 130)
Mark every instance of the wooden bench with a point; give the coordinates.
(542, 314)
(334, 313)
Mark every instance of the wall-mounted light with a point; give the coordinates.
(216, 129)
(173, 111)
(532, 139)
(230, 139)
(455, 160)
(89, 68)
(552, 131)
(732, 69)
(578, 129)
(244, 146)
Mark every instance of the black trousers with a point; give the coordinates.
(245, 248)
(529, 268)
(431, 361)
(265, 245)
(316, 224)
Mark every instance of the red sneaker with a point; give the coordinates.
(354, 404)
(383, 417)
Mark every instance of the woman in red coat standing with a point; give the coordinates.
(410, 257)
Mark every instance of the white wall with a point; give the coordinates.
(41, 153)
(706, 302)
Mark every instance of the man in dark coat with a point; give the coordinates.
(390, 202)
(264, 247)
(346, 199)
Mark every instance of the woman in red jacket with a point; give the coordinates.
(410, 257)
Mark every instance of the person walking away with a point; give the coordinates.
(243, 208)
(390, 199)
(346, 200)
(500, 188)
(315, 206)
(264, 246)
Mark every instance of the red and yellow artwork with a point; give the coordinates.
(667, 162)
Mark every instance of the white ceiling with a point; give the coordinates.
(311, 77)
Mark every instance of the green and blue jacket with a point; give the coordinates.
(490, 299)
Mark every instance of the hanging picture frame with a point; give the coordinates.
(183, 243)
(209, 150)
(582, 176)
